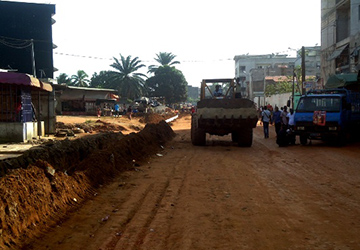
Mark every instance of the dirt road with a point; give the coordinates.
(224, 197)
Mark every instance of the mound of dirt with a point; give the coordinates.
(87, 127)
(156, 118)
(41, 186)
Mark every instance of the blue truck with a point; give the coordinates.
(331, 115)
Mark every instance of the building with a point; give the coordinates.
(312, 61)
(26, 107)
(26, 44)
(251, 71)
(340, 37)
(72, 100)
(193, 93)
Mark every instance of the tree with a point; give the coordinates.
(101, 80)
(169, 83)
(80, 79)
(63, 78)
(126, 79)
(163, 58)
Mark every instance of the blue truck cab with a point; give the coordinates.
(328, 115)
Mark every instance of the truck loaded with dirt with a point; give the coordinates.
(221, 111)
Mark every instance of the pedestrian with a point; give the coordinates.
(266, 119)
(129, 112)
(291, 126)
(124, 109)
(284, 118)
(98, 111)
(117, 110)
(276, 119)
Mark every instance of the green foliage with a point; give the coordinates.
(163, 58)
(63, 78)
(101, 80)
(169, 83)
(125, 77)
(80, 79)
(279, 88)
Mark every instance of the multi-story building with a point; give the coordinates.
(26, 44)
(251, 71)
(340, 37)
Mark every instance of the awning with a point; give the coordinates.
(341, 80)
(337, 52)
(24, 79)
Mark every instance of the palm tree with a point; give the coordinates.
(130, 83)
(63, 78)
(80, 79)
(163, 58)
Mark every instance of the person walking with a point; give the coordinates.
(276, 119)
(291, 126)
(266, 119)
(284, 118)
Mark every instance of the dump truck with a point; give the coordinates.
(223, 110)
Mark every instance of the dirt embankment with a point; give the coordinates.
(40, 187)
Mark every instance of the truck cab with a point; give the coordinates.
(329, 115)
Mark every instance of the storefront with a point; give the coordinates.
(26, 107)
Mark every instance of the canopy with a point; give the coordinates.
(337, 52)
(341, 80)
(24, 79)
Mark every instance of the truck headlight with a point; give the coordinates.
(300, 128)
(332, 128)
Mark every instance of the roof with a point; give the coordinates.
(277, 78)
(24, 79)
(341, 80)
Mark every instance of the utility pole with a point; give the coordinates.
(33, 57)
(303, 69)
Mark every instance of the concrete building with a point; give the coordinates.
(26, 44)
(340, 37)
(251, 71)
(193, 92)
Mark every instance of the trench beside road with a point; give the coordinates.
(223, 197)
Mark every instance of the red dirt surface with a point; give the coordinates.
(40, 187)
(219, 196)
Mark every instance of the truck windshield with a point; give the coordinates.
(312, 103)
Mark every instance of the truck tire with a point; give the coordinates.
(235, 136)
(198, 135)
(303, 139)
(245, 137)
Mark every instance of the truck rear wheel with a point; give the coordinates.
(235, 136)
(245, 137)
(198, 135)
(303, 139)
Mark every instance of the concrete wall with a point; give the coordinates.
(279, 100)
(20, 132)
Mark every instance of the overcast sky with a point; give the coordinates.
(205, 35)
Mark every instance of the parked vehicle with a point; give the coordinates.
(329, 115)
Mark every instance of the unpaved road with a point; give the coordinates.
(224, 197)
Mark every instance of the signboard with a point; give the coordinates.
(319, 118)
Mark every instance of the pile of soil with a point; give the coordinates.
(41, 186)
(156, 118)
(97, 126)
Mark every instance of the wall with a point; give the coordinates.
(279, 100)
(20, 132)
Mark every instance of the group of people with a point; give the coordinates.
(117, 111)
(283, 121)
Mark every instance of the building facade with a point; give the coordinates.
(340, 37)
(26, 44)
(251, 71)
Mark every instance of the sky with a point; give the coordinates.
(205, 35)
